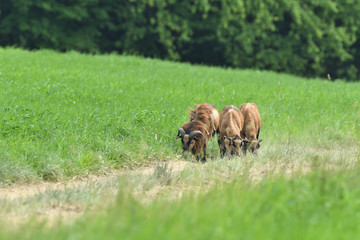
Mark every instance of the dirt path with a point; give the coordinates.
(23, 191)
(177, 165)
(68, 200)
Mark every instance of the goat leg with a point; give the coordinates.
(204, 158)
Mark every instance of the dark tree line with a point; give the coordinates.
(304, 37)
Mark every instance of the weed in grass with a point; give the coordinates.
(163, 174)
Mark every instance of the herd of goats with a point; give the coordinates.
(237, 130)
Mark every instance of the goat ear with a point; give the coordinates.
(181, 133)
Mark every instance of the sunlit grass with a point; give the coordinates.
(65, 115)
(321, 205)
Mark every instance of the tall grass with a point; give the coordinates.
(321, 205)
(71, 114)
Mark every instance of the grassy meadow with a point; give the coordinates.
(65, 115)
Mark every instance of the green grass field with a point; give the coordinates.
(69, 115)
(64, 115)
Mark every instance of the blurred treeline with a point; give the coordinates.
(304, 37)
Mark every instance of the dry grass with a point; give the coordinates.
(170, 180)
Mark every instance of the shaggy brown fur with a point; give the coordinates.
(205, 119)
(207, 114)
(231, 124)
(251, 129)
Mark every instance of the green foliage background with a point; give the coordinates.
(305, 37)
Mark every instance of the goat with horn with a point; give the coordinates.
(204, 122)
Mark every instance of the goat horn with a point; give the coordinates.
(181, 133)
(195, 133)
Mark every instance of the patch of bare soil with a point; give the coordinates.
(52, 213)
(23, 191)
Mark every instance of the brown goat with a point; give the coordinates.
(231, 124)
(204, 122)
(251, 130)
(207, 114)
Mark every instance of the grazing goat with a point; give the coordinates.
(204, 122)
(207, 114)
(231, 124)
(251, 130)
